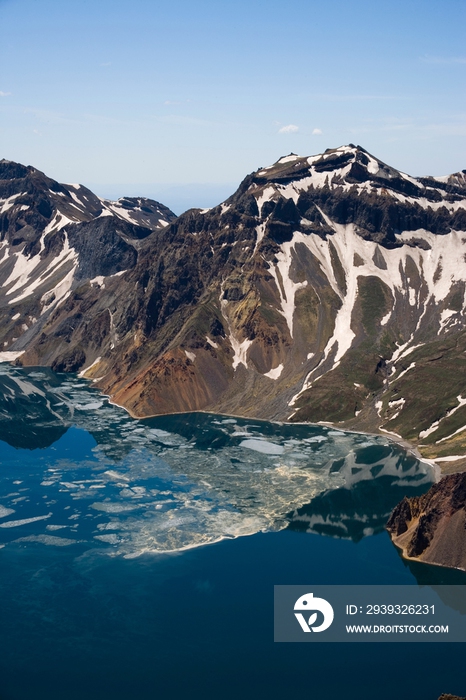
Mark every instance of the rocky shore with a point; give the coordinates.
(432, 528)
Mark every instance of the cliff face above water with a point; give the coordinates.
(330, 287)
(432, 527)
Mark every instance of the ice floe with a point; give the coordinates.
(49, 540)
(24, 521)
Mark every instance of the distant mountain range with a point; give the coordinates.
(326, 288)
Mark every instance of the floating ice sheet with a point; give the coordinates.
(50, 540)
(170, 483)
(24, 521)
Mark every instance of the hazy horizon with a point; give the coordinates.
(177, 197)
(192, 92)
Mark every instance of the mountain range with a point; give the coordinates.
(326, 288)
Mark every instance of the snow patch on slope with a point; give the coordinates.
(260, 231)
(425, 433)
(239, 347)
(24, 268)
(286, 287)
(10, 356)
(440, 267)
(288, 159)
(274, 373)
(266, 196)
(7, 204)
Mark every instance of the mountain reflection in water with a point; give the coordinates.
(376, 479)
(83, 472)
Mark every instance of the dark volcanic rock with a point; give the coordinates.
(102, 247)
(71, 361)
(432, 527)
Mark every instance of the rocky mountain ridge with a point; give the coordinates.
(54, 236)
(329, 288)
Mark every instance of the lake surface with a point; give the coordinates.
(138, 558)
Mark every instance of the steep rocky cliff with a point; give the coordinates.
(326, 288)
(432, 527)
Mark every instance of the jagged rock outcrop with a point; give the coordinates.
(325, 288)
(432, 527)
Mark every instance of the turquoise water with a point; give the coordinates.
(138, 558)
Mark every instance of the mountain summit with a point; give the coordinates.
(326, 288)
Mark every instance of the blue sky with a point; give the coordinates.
(188, 96)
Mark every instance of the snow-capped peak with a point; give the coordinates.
(351, 167)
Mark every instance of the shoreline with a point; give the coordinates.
(391, 437)
(405, 556)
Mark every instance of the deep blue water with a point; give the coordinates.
(152, 612)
